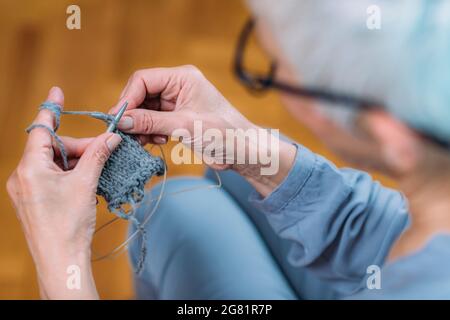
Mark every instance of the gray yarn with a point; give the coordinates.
(124, 175)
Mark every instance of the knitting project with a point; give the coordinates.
(124, 175)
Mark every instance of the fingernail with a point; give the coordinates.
(56, 93)
(126, 123)
(160, 140)
(113, 141)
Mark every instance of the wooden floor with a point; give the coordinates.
(92, 66)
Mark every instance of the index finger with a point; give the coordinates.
(40, 138)
(166, 82)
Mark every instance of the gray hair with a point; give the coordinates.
(405, 65)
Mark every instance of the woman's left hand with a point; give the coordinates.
(57, 209)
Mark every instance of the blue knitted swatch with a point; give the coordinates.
(124, 175)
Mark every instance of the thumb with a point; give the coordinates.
(142, 121)
(93, 160)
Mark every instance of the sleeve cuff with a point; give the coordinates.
(291, 186)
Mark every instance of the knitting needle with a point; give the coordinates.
(113, 124)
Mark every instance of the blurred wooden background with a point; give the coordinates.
(92, 66)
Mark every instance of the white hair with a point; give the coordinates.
(405, 65)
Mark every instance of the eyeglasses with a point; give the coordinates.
(259, 82)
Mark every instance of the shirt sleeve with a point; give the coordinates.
(340, 221)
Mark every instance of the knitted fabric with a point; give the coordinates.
(124, 175)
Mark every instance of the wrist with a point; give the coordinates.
(266, 175)
(53, 247)
(65, 273)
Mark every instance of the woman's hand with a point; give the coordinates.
(57, 209)
(164, 101)
(174, 101)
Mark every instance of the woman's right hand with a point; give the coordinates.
(166, 102)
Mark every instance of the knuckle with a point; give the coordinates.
(25, 173)
(14, 191)
(101, 155)
(145, 122)
(10, 185)
(193, 71)
(187, 121)
(134, 76)
(132, 101)
(137, 74)
(186, 124)
(130, 78)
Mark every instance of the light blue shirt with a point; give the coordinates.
(340, 222)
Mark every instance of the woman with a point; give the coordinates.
(310, 230)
